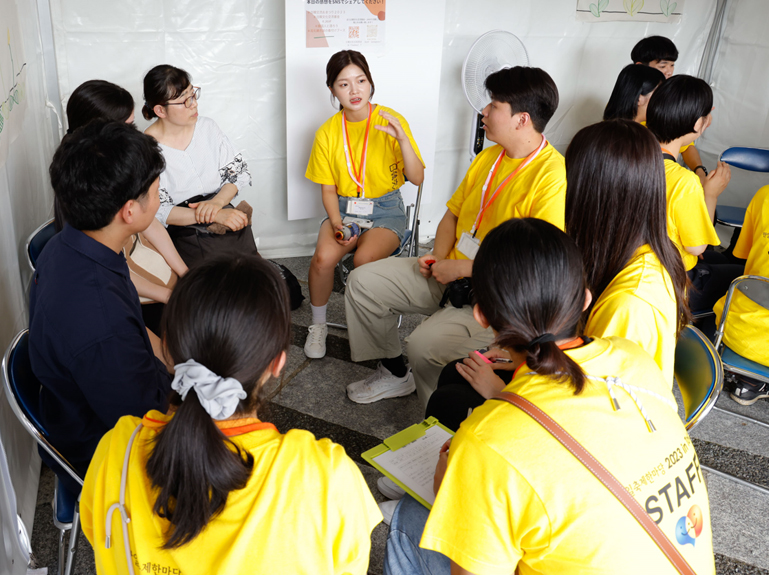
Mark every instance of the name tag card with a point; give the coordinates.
(468, 245)
(360, 207)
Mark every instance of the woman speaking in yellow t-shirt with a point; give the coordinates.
(509, 497)
(359, 157)
(208, 487)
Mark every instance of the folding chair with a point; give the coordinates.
(22, 389)
(751, 159)
(409, 246)
(37, 240)
(700, 377)
(12, 528)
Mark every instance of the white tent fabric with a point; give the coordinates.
(235, 50)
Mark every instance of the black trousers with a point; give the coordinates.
(710, 279)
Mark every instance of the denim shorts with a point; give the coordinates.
(389, 213)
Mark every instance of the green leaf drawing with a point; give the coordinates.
(667, 7)
(596, 9)
(633, 6)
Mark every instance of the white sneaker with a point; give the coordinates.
(388, 508)
(315, 344)
(382, 384)
(389, 488)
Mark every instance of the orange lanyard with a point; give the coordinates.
(358, 177)
(490, 178)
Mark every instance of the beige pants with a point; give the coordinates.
(379, 291)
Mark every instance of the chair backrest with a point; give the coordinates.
(37, 241)
(752, 159)
(755, 288)
(699, 373)
(22, 389)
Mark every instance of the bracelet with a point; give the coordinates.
(704, 169)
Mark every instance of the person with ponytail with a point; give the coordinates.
(632, 91)
(210, 487)
(509, 497)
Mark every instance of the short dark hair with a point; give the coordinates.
(162, 84)
(633, 82)
(654, 48)
(101, 166)
(676, 106)
(528, 292)
(98, 99)
(616, 202)
(529, 90)
(230, 314)
(340, 61)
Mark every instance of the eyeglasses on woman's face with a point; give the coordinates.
(194, 97)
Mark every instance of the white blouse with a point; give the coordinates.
(208, 162)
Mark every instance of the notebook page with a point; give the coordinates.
(414, 464)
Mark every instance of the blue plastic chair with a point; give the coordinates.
(699, 374)
(37, 240)
(751, 159)
(22, 389)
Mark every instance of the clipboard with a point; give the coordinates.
(412, 462)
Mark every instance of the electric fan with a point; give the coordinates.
(490, 53)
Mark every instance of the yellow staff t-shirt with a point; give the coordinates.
(639, 304)
(689, 223)
(305, 509)
(747, 325)
(537, 191)
(514, 498)
(384, 164)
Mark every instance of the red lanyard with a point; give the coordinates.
(490, 178)
(358, 177)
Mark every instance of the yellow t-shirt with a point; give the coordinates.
(538, 191)
(689, 223)
(306, 509)
(513, 497)
(748, 322)
(640, 304)
(384, 164)
(683, 149)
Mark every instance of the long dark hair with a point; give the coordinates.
(162, 84)
(634, 81)
(616, 203)
(536, 288)
(230, 314)
(340, 61)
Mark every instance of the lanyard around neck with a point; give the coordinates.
(493, 171)
(360, 177)
(666, 155)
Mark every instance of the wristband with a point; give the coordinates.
(704, 169)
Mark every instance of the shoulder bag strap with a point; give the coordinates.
(604, 476)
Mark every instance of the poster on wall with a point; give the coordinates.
(345, 24)
(630, 10)
(13, 67)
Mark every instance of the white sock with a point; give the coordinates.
(318, 314)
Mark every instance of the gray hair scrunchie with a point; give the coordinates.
(218, 395)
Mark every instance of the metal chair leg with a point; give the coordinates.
(63, 550)
(73, 534)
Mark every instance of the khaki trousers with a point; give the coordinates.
(380, 291)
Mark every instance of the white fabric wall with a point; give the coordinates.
(25, 202)
(235, 50)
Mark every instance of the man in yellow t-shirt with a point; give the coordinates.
(521, 176)
(679, 112)
(748, 323)
(513, 500)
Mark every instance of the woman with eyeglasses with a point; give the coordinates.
(203, 174)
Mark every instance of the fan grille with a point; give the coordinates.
(491, 52)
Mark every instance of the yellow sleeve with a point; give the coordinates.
(550, 203)
(468, 182)
(485, 513)
(691, 215)
(745, 241)
(407, 129)
(625, 315)
(356, 513)
(686, 147)
(319, 166)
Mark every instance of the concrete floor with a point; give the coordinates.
(314, 398)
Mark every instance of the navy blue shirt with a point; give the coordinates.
(88, 345)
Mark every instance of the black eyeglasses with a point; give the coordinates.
(188, 102)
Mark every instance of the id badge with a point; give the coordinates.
(360, 207)
(468, 245)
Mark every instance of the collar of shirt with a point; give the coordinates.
(94, 250)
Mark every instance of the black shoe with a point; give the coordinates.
(748, 393)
